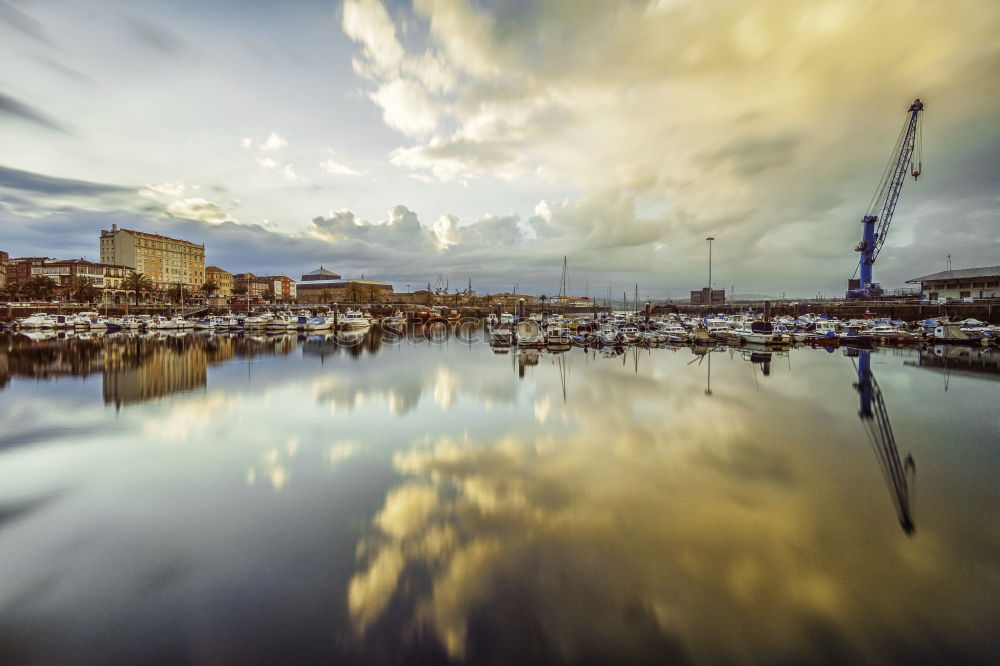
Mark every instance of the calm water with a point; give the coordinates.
(230, 500)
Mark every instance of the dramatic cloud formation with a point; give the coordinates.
(619, 135)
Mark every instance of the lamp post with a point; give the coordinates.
(710, 239)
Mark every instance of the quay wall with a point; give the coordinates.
(988, 312)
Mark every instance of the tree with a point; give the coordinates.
(82, 290)
(269, 295)
(372, 293)
(138, 284)
(325, 296)
(210, 287)
(239, 291)
(175, 292)
(39, 288)
(354, 292)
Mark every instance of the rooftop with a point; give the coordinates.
(960, 274)
(320, 273)
(114, 230)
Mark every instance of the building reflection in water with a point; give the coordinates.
(135, 367)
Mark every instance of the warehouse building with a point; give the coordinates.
(960, 284)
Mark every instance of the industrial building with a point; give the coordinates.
(960, 284)
(708, 296)
(322, 286)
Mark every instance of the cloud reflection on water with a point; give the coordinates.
(663, 518)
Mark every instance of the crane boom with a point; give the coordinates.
(883, 203)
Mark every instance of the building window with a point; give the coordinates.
(964, 294)
(932, 296)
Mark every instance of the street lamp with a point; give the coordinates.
(710, 239)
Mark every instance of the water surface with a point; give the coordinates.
(215, 499)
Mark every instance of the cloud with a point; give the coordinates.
(165, 189)
(42, 184)
(24, 23)
(18, 110)
(759, 123)
(288, 172)
(405, 107)
(334, 167)
(367, 22)
(154, 36)
(266, 162)
(274, 142)
(199, 209)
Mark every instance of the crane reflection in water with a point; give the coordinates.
(899, 474)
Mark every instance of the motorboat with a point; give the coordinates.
(608, 336)
(395, 322)
(629, 333)
(319, 323)
(279, 322)
(557, 335)
(38, 320)
(763, 333)
(352, 320)
(529, 334)
(502, 334)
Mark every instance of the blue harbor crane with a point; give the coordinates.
(899, 473)
(879, 216)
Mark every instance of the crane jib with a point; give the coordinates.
(883, 204)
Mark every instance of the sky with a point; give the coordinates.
(485, 141)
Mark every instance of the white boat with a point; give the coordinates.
(319, 323)
(529, 334)
(280, 322)
(608, 335)
(352, 320)
(92, 320)
(629, 333)
(502, 335)
(258, 322)
(395, 322)
(298, 322)
(674, 332)
(38, 320)
(763, 333)
(557, 335)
